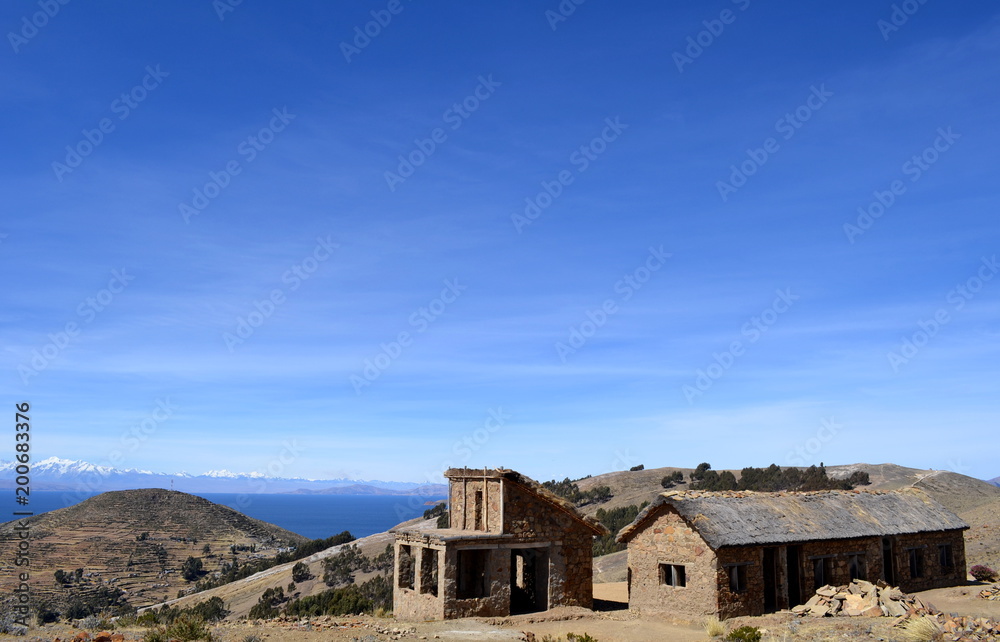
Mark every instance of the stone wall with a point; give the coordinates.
(668, 539)
(497, 601)
(571, 572)
(414, 603)
(926, 545)
(462, 508)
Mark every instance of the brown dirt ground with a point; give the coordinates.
(613, 624)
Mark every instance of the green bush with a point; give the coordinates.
(300, 572)
(184, 627)
(191, 569)
(745, 634)
(614, 519)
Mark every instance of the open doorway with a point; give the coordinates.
(529, 580)
(888, 562)
(793, 570)
(770, 580)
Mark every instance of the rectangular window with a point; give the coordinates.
(406, 570)
(856, 566)
(916, 563)
(945, 557)
(472, 574)
(672, 575)
(737, 578)
(822, 572)
(429, 571)
(479, 511)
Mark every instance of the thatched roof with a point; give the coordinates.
(746, 518)
(531, 486)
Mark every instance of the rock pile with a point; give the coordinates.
(991, 593)
(861, 598)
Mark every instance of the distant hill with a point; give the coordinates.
(81, 477)
(995, 481)
(136, 540)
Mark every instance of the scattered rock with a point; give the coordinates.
(864, 599)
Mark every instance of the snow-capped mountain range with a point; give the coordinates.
(72, 475)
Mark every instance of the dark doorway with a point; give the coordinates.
(888, 562)
(529, 580)
(472, 574)
(770, 581)
(793, 571)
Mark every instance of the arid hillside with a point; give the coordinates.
(136, 541)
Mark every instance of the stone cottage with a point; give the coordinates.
(692, 554)
(511, 547)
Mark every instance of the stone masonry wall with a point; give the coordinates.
(668, 539)
(497, 582)
(571, 571)
(462, 509)
(411, 603)
(934, 576)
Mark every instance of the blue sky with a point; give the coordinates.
(501, 235)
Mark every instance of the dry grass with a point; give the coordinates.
(714, 628)
(925, 629)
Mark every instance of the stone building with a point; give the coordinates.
(511, 547)
(692, 554)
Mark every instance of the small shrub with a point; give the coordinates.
(983, 573)
(148, 619)
(188, 628)
(573, 637)
(924, 629)
(300, 572)
(8, 625)
(252, 637)
(90, 623)
(714, 628)
(634, 469)
(745, 634)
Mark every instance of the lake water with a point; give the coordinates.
(314, 516)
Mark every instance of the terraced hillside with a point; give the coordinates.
(136, 541)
